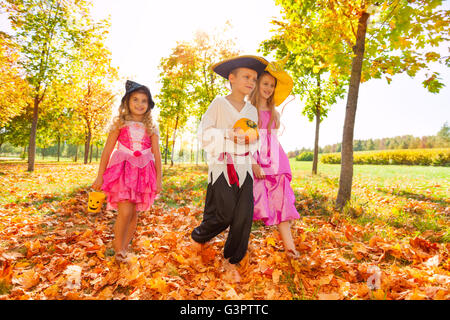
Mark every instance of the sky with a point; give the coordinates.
(144, 31)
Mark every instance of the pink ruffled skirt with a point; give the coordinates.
(274, 199)
(125, 181)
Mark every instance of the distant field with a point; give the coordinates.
(413, 197)
(382, 172)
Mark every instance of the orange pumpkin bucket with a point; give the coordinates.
(96, 200)
(249, 128)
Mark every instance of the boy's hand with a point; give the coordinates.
(257, 171)
(238, 137)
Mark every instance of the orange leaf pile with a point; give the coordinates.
(55, 250)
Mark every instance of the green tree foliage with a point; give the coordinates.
(93, 78)
(48, 36)
(188, 83)
(175, 97)
(313, 82)
(14, 90)
(367, 39)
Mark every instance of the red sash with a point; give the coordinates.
(231, 171)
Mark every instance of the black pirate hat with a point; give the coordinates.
(225, 67)
(131, 86)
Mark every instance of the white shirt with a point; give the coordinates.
(213, 131)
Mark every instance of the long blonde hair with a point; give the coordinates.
(125, 115)
(255, 99)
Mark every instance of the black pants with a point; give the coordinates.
(228, 206)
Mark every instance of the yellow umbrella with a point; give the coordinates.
(284, 81)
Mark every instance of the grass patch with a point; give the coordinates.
(410, 197)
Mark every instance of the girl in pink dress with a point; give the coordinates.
(130, 175)
(273, 195)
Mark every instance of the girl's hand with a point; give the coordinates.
(258, 172)
(97, 185)
(158, 186)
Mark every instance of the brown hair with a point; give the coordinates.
(125, 115)
(255, 100)
(233, 72)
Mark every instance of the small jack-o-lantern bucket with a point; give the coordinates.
(95, 202)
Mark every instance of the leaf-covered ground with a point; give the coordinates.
(391, 242)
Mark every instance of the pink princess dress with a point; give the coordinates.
(131, 174)
(273, 196)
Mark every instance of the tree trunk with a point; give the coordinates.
(87, 143)
(2, 141)
(96, 152)
(346, 176)
(173, 142)
(198, 148)
(59, 146)
(32, 143)
(90, 154)
(316, 141)
(316, 138)
(76, 153)
(167, 145)
(196, 157)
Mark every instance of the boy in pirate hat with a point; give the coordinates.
(229, 196)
